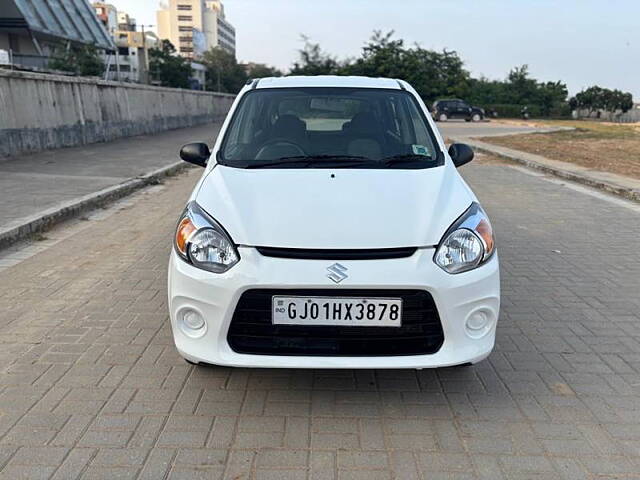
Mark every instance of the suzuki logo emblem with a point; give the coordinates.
(337, 272)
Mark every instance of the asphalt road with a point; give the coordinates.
(92, 387)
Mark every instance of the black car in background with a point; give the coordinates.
(443, 110)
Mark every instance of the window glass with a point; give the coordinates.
(420, 133)
(367, 123)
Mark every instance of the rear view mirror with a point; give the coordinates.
(460, 153)
(196, 153)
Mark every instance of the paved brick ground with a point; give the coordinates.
(91, 386)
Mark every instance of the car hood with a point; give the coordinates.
(334, 208)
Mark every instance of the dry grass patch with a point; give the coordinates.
(605, 146)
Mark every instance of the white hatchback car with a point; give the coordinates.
(330, 229)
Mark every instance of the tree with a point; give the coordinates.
(314, 61)
(438, 74)
(433, 74)
(82, 60)
(591, 99)
(597, 98)
(551, 96)
(224, 74)
(260, 70)
(484, 91)
(382, 57)
(167, 67)
(616, 100)
(518, 90)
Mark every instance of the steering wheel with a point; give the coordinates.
(279, 147)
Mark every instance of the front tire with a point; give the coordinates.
(476, 117)
(442, 117)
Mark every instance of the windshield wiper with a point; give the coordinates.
(308, 160)
(404, 158)
(327, 157)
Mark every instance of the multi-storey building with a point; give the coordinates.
(132, 61)
(108, 15)
(225, 34)
(126, 23)
(194, 26)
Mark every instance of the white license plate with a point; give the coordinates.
(342, 311)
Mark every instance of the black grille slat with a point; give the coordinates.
(251, 330)
(337, 254)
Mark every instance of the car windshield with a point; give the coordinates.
(329, 127)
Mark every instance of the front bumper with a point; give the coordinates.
(215, 296)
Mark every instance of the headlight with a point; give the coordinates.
(467, 244)
(202, 242)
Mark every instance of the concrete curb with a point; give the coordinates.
(571, 172)
(42, 221)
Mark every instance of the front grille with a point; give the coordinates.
(251, 330)
(337, 254)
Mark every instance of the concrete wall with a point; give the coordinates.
(39, 112)
(632, 116)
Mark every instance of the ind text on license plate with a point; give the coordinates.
(345, 311)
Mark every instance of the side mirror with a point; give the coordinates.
(460, 153)
(196, 153)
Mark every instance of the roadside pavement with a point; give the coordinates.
(39, 189)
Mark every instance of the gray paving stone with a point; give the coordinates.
(157, 464)
(195, 439)
(282, 458)
(202, 457)
(112, 457)
(39, 456)
(26, 472)
(74, 464)
(104, 473)
(281, 474)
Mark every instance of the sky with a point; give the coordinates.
(580, 42)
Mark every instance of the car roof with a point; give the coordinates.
(328, 81)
